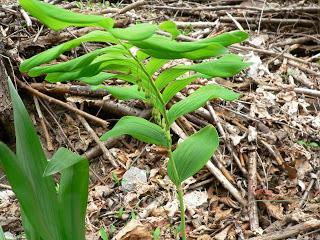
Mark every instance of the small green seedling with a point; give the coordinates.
(47, 213)
(120, 213)
(115, 178)
(103, 234)
(156, 234)
(137, 55)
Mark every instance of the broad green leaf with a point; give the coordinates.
(192, 154)
(170, 27)
(73, 196)
(228, 38)
(176, 86)
(92, 70)
(167, 76)
(124, 93)
(36, 193)
(165, 48)
(136, 32)
(29, 230)
(226, 66)
(138, 128)
(154, 64)
(162, 43)
(76, 63)
(198, 99)
(61, 159)
(57, 18)
(53, 53)
(97, 79)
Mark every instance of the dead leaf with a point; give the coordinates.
(134, 230)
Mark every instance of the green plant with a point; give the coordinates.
(103, 234)
(135, 55)
(46, 213)
(156, 234)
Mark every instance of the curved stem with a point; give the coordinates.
(167, 130)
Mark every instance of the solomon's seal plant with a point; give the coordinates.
(136, 54)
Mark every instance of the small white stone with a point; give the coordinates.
(133, 178)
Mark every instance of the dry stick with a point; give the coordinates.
(306, 91)
(106, 152)
(214, 170)
(306, 193)
(290, 231)
(63, 104)
(43, 124)
(69, 88)
(219, 8)
(96, 151)
(132, 6)
(252, 185)
(5, 186)
(224, 137)
(272, 53)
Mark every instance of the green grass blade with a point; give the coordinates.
(2, 234)
(73, 195)
(39, 199)
(193, 153)
(57, 18)
(138, 128)
(198, 99)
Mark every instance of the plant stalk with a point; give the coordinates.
(167, 129)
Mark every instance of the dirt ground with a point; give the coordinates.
(270, 138)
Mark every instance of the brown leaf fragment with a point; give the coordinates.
(134, 230)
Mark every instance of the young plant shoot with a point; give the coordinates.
(137, 54)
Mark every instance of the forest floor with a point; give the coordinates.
(270, 137)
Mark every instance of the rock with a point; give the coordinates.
(133, 178)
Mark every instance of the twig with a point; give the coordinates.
(306, 192)
(214, 170)
(5, 186)
(69, 88)
(63, 104)
(252, 185)
(96, 151)
(306, 91)
(219, 8)
(290, 231)
(272, 53)
(43, 124)
(224, 137)
(106, 152)
(132, 6)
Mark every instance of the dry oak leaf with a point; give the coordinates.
(134, 230)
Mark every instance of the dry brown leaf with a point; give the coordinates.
(134, 230)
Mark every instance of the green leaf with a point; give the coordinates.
(176, 86)
(62, 159)
(2, 234)
(170, 27)
(76, 63)
(97, 79)
(226, 66)
(103, 234)
(154, 64)
(228, 38)
(57, 18)
(124, 93)
(73, 195)
(138, 128)
(192, 154)
(35, 193)
(198, 99)
(136, 32)
(168, 76)
(53, 53)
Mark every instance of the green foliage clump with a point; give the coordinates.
(136, 54)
